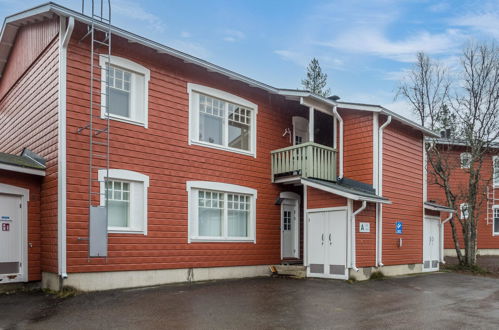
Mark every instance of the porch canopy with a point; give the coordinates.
(347, 188)
(437, 207)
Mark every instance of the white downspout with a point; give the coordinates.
(442, 237)
(379, 190)
(354, 261)
(64, 38)
(340, 162)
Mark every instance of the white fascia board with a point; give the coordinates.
(342, 193)
(439, 209)
(20, 169)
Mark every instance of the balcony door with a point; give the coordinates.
(300, 130)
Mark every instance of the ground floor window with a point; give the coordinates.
(496, 220)
(221, 212)
(126, 194)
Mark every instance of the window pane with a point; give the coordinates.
(118, 213)
(238, 223)
(119, 102)
(239, 127)
(210, 222)
(496, 221)
(210, 129)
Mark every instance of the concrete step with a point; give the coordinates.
(292, 270)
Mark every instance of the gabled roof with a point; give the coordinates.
(27, 162)
(14, 22)
(347, 189)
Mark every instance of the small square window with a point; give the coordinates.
(465, 160)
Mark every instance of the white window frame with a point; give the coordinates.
(495, 178)
(135, 69)
(461, 213)
(461, 156)
(495, 231)
(192, 89)
(132, 177)
(193, 188)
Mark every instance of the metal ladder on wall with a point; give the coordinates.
(99, 33)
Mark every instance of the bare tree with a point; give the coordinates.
(473, 104)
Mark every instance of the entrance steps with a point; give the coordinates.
(298, 271)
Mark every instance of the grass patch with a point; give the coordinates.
(352, 279)
(378, 275)
(475, 269)
(66, 292)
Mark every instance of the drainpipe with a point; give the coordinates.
(379, 190)
(340, 120)
(360, 209)
(442, 237)
(64, 38)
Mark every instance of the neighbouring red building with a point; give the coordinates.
(184, 170)
(458, 160)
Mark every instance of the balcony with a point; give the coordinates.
(306, 160)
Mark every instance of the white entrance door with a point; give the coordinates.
(327, 244)
(289, 229)
(300, 130)
(11, 239)
(431, 241)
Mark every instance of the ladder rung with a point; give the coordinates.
(101, 43)
(99, 156)
(97, 193)
(100, 143)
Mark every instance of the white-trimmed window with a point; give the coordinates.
(465, 160)
(495, 168)
(127, 97)
(495, 229)
(221, 212)
(126, 193)
(464, 211)
(221, 120)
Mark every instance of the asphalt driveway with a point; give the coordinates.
(443, 300)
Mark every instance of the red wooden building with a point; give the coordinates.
(458, 157)
(189, 171)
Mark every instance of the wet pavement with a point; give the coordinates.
(441, 300)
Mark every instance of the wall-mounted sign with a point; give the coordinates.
(5, 218)
(5, 226)
(364, 227)
(398, 227)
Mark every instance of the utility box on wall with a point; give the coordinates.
(98, 231)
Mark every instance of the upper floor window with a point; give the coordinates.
(126, 193)
(127, 97)
(464, 211)
(221, 120)
(221, 212)
(495, 164)
(465, 160)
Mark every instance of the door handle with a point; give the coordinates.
(330, 242)
(322, 238)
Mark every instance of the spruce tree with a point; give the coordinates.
(316, 80)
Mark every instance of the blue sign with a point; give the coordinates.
(398, 227)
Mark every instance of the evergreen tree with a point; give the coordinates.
(316, 80)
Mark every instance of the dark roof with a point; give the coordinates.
(437, 207)
(28, 159)
(348, 186)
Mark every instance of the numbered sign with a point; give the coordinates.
(398, 227)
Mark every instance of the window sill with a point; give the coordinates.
(125, 231)
(219, 147)
(125, 120)
(220, 240)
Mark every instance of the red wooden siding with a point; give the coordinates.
(358, 145)
(366, 242)
(32, 183)
(28, 115)
(162, 152)
(459, 182)
(318, 199)
(30, 43)
(403, 185)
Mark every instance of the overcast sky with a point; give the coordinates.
(363, 46)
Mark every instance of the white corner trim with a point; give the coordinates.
(221, 95)
(20, 169)
(129, 66)
(24, 194)
(219, 186)
(64, 38)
